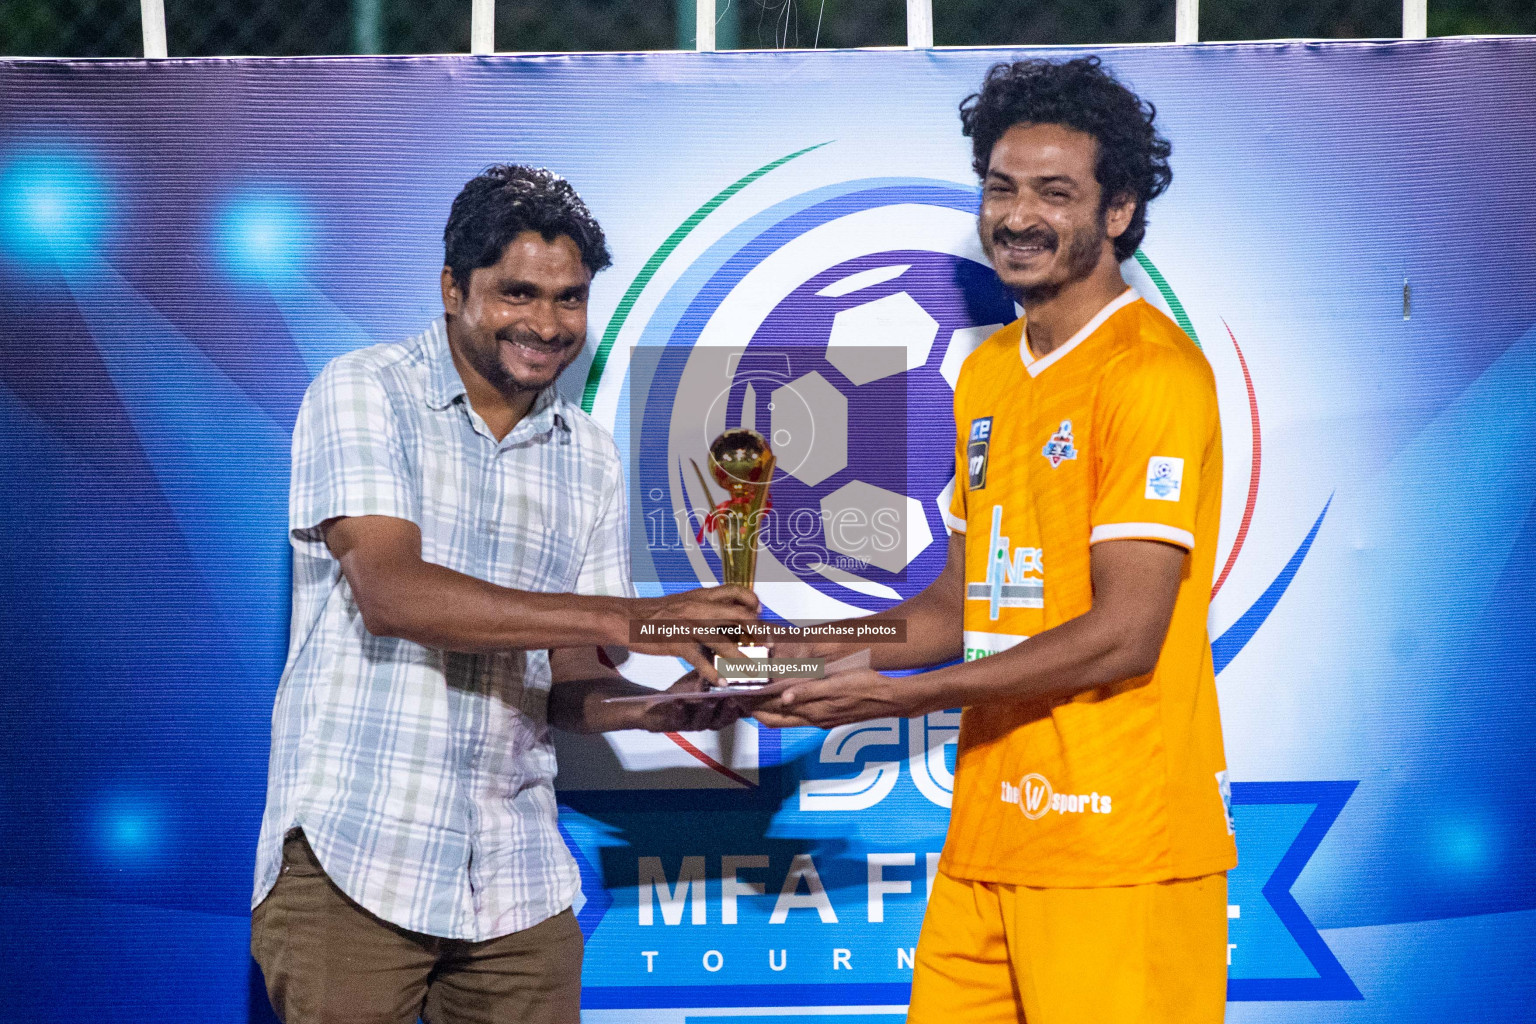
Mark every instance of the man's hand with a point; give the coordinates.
(804, 650)
(854, 696)
(1135, 587)
(583, 683)
(933, 619)
(688, 716)
(736, 605)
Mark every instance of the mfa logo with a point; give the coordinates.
(976, 451)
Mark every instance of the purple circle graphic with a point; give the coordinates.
(898, 432)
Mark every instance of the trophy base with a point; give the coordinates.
(744, 683)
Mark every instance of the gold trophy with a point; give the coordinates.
(742, 463)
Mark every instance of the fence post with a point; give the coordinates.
(152, 19)
(482, 26)
(704, 26)
(1415, 19)
(367, 26)
(1186, 21)
(919, 24)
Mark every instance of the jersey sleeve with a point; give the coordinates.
(349, 458)
(1157, 422)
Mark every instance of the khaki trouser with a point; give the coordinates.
(326, 960)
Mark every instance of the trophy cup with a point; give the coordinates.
(742, 463)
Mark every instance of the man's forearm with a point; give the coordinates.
(933, 636)
(1080, 654)
(934, 618)
(1135, 587)
(578, 705)
(437, 607)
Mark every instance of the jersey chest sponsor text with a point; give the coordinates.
(1015, 576)
(977, 448)
(1035, 797)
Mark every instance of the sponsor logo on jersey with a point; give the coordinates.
(979, 644)
(1165, 478)
(976, 451)
(1015, 576)
(1035, 797)
(1060, 447)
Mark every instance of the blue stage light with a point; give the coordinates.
(54, 206)
(129, 828)
(1465, 849)
(264, 236)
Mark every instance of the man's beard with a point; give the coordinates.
(1082, 257)
(489, 365)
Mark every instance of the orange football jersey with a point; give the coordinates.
(1113, 435)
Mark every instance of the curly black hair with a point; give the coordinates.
(1079, 94)
(502, 202)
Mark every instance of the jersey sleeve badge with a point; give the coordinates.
(1165, 478)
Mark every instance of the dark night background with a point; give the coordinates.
(110, 28)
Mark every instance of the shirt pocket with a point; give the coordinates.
(452, 498)
(540, 528)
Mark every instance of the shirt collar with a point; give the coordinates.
(545, 415)
(1038, 366)
(443, 381)
(445, 386)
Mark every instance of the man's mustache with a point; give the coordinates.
(1043, 237)
(522, 336)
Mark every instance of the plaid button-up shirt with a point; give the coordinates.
(424, 779)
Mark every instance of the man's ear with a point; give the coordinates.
(1117, 218)
(453, 297)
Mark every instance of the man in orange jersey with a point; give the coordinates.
(1084, 874)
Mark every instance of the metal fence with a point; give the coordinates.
(185, 28)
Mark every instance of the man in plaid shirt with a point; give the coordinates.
(460, 552)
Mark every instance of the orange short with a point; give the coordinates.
(1134, 954)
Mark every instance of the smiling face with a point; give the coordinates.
(1043, 221)
(522, 319)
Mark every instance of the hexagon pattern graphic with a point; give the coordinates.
(961, 344)
(884, 528)
(810, 428)
(868, 341)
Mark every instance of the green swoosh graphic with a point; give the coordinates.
(1179, 316)
(627, 303)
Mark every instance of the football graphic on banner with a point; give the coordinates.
(839, 324)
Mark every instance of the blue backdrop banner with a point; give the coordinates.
(1350, 238)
